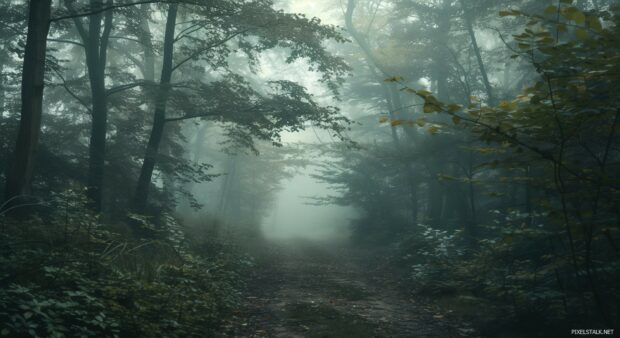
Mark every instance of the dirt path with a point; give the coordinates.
(310, 290)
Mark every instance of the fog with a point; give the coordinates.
(295, 217)
(299, 168)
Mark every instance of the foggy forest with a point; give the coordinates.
(309, 168)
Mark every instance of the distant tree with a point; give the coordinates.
(246, 112)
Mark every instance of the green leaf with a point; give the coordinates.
(456, 119)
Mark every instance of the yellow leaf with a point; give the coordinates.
(507, 105)
(579, 17)
(433, 130)
(430, 108)
(423, 92)
(511, 12)
(551, 9)
(420, 122)
(595, 24)
(396, 122)
(561, 27)
(581, 34)
(394, 79)
(383, 119)
(453, 108)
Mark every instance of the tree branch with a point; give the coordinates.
(128, 86)
(74, 95)
(67, 41)
(202, 50)
(74, 15)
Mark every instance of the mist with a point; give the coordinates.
(295, 217)
(297, 168)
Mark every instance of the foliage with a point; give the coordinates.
(564, 125)
(70, 276)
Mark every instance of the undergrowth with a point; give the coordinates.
(64, 273)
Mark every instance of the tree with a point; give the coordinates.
(19, 175)
(247, 113)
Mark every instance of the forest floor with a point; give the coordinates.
(305, 289)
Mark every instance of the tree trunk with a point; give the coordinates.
(147, 44)
(19, 175)
(393, 104)
(95, 42)
(474, 43)
(159, 120)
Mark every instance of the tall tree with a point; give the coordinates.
(95, 40)
(246, 113)
(19, 175)
(159, 119)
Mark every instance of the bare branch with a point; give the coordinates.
(74, 95)
(128, 86)
(67, 41)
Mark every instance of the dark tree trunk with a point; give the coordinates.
(436, 201)
(436, 189)
(95, 42)
(20, 172)
(159, 120)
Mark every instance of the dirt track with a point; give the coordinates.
(302, 289)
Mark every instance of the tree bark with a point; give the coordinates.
(95, 41)
(159, 120)
(393, 104)
(474, 43)
(21, 169)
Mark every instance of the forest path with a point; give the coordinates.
(305, 289)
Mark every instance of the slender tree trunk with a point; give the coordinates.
(21, 169)
(472, 190)
(393, 103)
(95, 41)
(436, 189)
(474, 43)
(147, 44)
(159, 120)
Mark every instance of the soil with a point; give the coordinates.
(305, 289)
